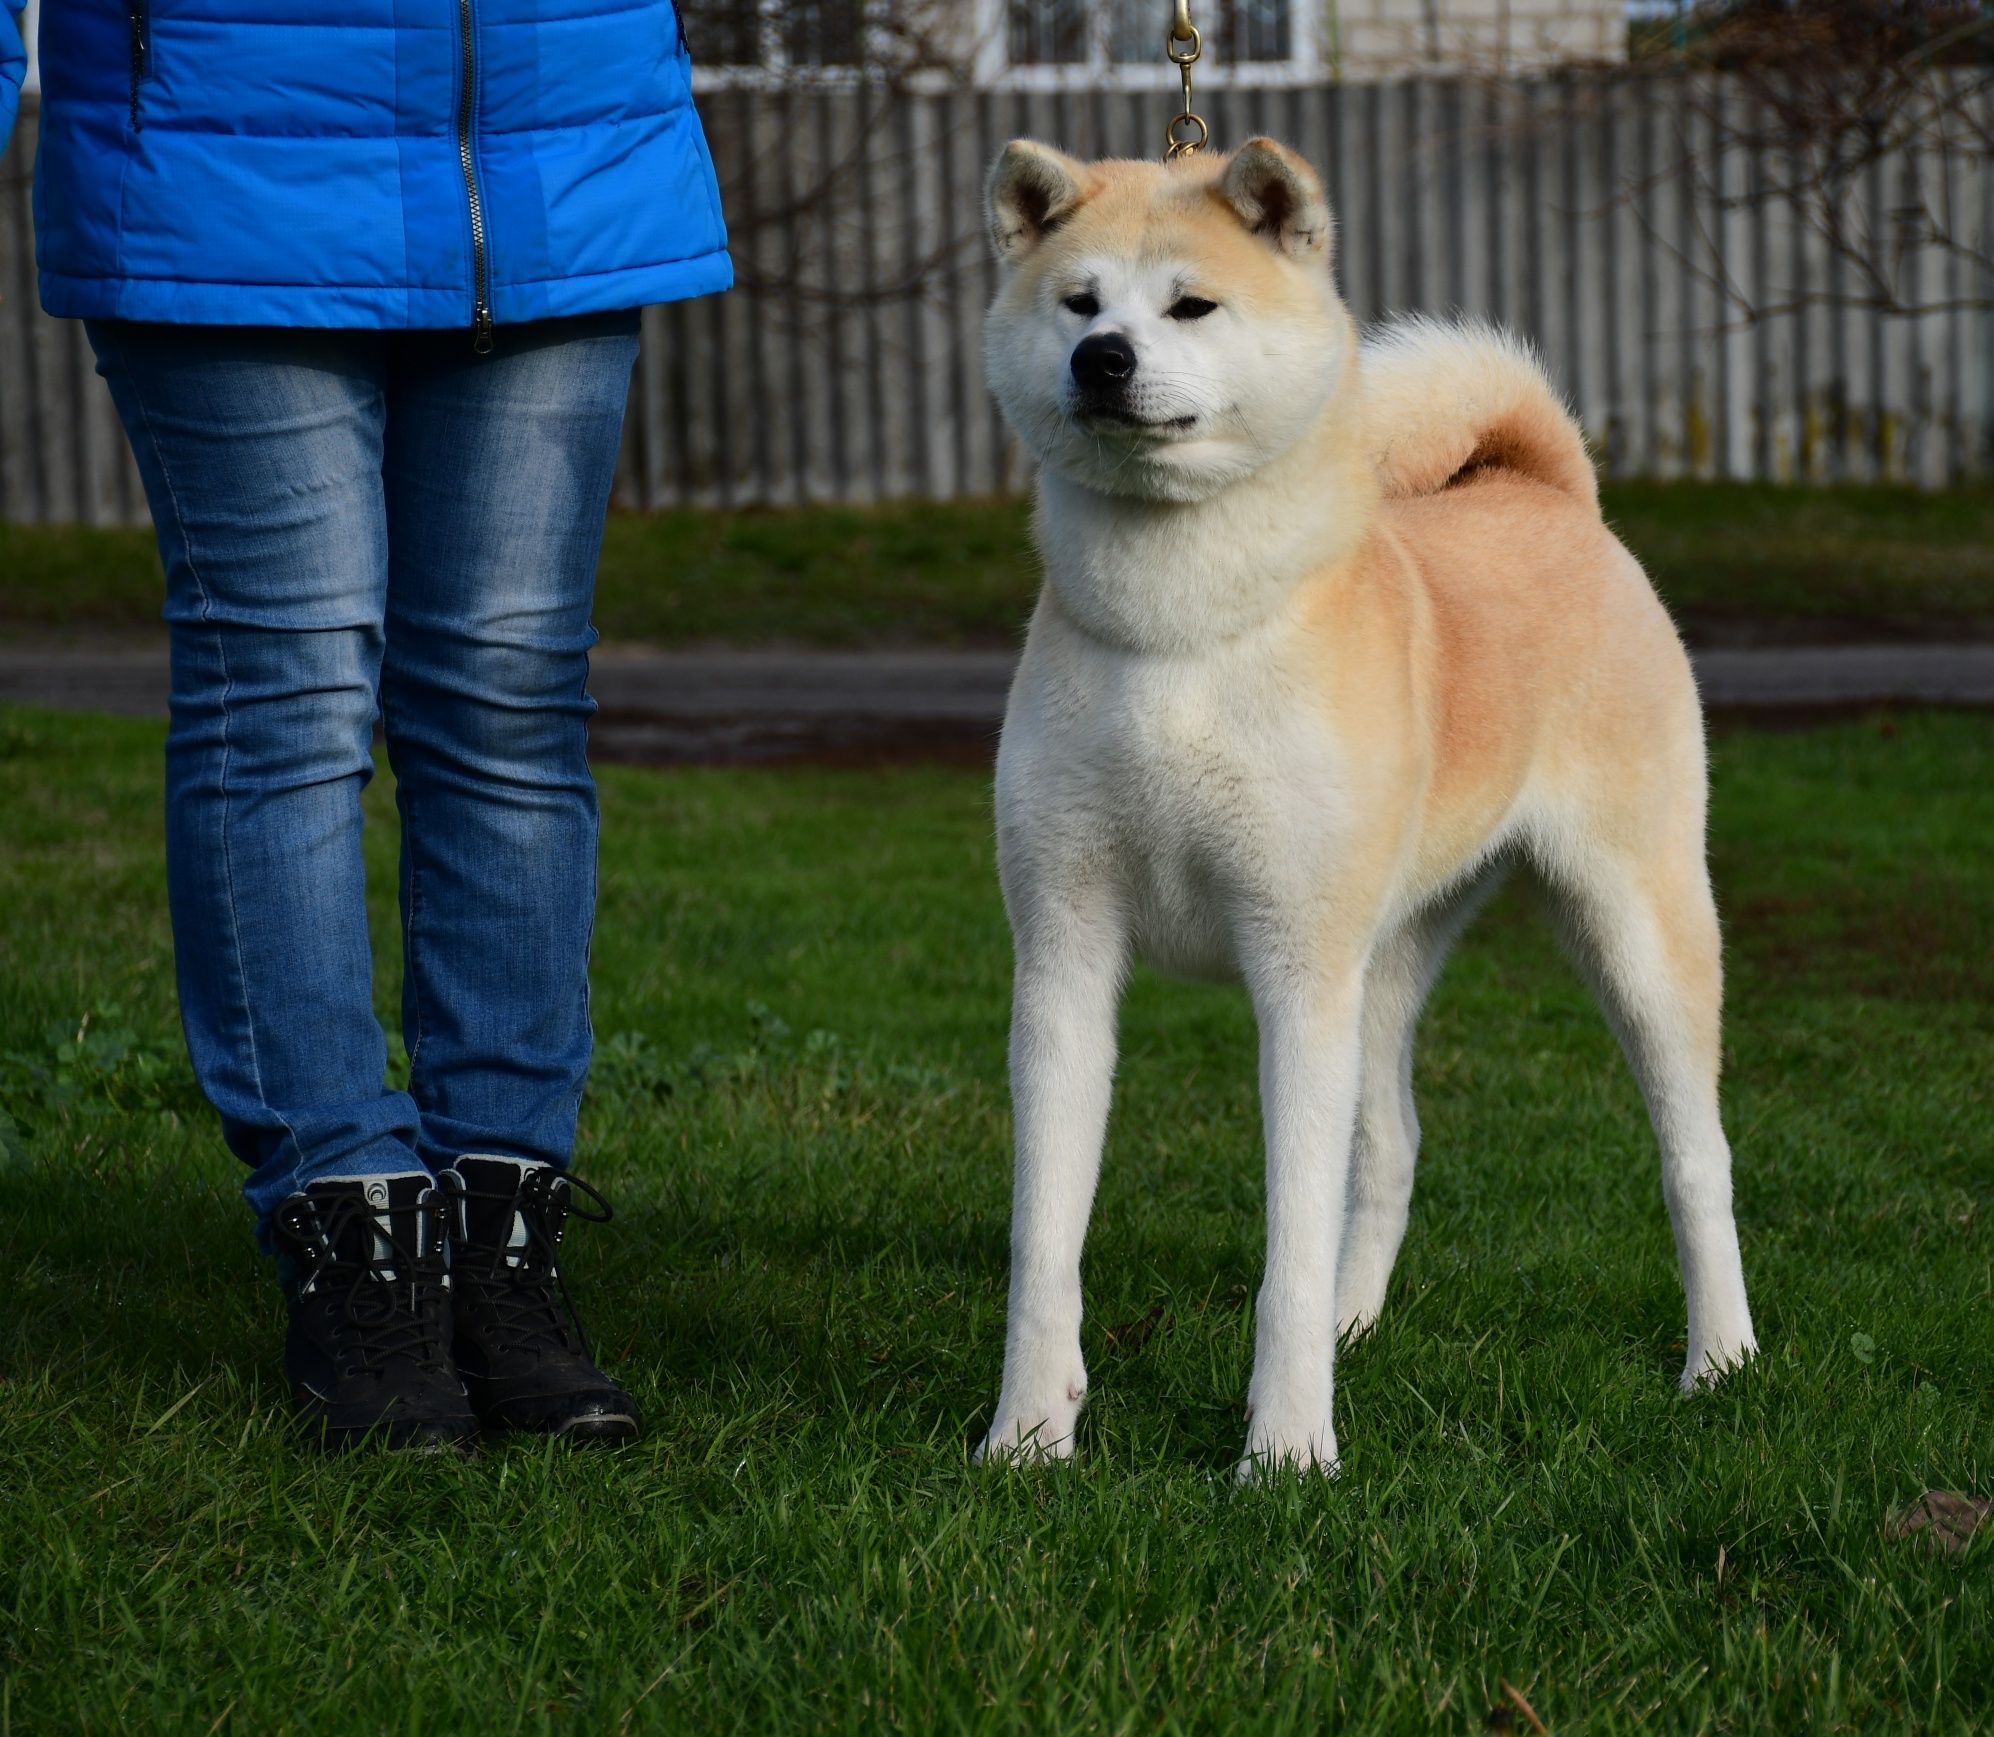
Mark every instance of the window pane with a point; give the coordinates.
(1135, 30)
(1048, 32)
(824, 32)
(1054, 32)
(723, 32)
(1255, 30)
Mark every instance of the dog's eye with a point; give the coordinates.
(1190, 308)
(1083, 304)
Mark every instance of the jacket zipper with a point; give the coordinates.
(481, 311)
(135, 22)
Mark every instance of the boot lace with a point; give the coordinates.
(393, 1303)
(527, 1296)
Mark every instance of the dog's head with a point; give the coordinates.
(1162, 330)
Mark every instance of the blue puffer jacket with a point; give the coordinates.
(383, 163)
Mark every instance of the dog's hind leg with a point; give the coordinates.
(1641, 924)
(1401, 975)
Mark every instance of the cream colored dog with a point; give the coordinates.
(1332, 635)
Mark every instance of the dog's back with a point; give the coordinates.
(1541, 631)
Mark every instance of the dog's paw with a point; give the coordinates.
(1035, 1430)
(1709, 1364)
(1354, 1320)
(1360, 1292)
(1277, 1445)
(1018, 1444)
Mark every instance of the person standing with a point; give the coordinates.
(364, 281)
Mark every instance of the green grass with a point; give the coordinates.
(954, 573)
(1730, 558)
(1879, 561)
(805, 1286)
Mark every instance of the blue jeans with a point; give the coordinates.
(379, 525)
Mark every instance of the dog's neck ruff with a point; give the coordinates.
(1173, 578)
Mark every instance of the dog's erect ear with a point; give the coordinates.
(1278, 196)
(1033, 189)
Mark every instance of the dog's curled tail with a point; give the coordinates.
(1442, 398)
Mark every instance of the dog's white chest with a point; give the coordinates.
(1202, 787)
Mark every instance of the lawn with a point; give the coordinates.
(1735, 561)
(799, 1110)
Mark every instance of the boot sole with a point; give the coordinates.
(586, 1427)
(602, 1427)
(426, 1435)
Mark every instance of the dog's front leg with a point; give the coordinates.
(1308, 1093)
(1070, 956)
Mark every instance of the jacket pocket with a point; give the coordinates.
(138, 23)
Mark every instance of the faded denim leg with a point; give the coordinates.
(498, 472)
(261, 456)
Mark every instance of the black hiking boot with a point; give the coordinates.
(368, 1352)
(520, 1350)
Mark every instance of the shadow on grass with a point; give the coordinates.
(113, 1273)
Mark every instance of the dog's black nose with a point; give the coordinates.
(1104, 361)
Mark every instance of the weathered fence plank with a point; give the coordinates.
(1690, 306)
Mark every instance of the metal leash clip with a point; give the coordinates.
(1187, 133)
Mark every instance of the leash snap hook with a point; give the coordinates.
(1183, 43)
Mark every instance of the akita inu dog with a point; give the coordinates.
(1332, 635)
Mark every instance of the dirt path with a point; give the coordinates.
(747, 706)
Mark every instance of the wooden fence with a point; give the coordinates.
(1701, 328)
